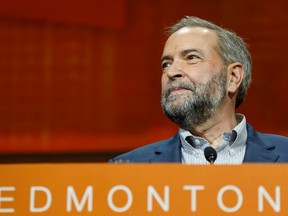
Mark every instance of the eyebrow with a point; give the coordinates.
(186, 51)
(183, 53)
(165, 58)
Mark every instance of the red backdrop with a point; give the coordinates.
(85, 75)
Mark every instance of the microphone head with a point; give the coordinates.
(210, 154)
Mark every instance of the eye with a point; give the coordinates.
(165, 65)
(192, 57)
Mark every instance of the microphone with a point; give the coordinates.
(210, 154)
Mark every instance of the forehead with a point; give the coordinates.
(191, 37)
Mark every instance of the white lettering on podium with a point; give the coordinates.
(41, 198)
(220, 198)
(274, 204)
(129, 198)
(164, 203)
(193, 189)
(87, 197)
(6, 199)
(47, 205)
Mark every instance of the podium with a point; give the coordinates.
(143, 189)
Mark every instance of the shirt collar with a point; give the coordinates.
(235, 138)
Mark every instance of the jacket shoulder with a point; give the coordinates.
(264, 146)
(277, 140)
(142, 154)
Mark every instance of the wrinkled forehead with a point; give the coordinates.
(196, 37)
(191, 33)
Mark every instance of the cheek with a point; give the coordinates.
(200, 74)
(164, 81)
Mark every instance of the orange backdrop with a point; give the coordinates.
(85, 75)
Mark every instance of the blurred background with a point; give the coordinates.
(80, 79)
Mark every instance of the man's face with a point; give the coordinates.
(193, 79)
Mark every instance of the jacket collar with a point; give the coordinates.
(257, 150)
(170, 152)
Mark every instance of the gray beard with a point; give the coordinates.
(190, 110)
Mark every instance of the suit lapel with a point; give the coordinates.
(257, 150)
(171, 152)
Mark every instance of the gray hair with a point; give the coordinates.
(231, 48)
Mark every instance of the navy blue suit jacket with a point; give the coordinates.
(261, 148)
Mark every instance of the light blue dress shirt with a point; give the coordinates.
(231, 151)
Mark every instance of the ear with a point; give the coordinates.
(235, 77)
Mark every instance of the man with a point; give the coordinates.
(206, 74)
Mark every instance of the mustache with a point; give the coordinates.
(179, 85)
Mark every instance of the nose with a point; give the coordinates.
(176, 70)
